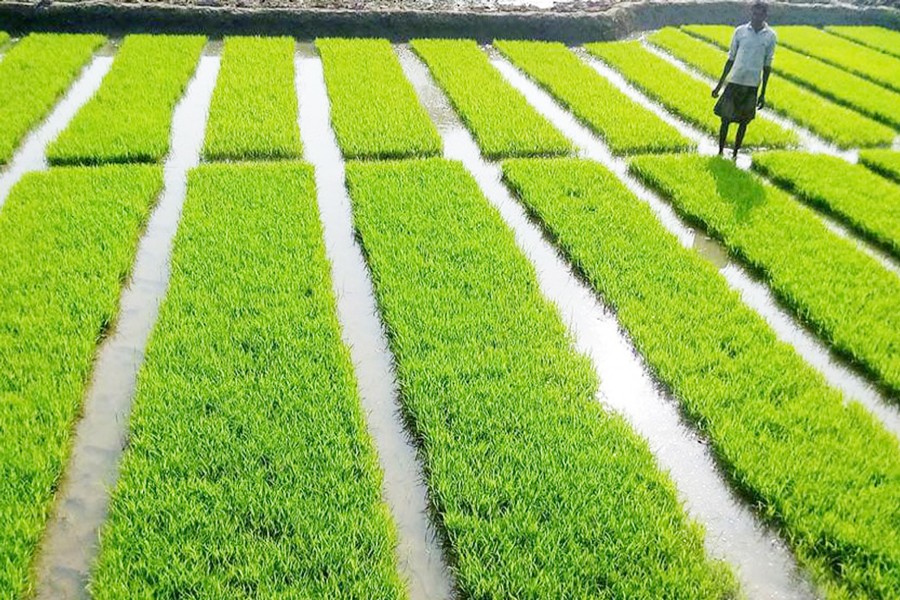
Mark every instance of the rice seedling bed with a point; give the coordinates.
(502, 121)
(625, 125)
(35, 72)
(67, 240)
(254, 107)
(880, 38)
(374, 109)
(249, 470)
(525, 469)
(4, 37)
(883, 162)
(832, 82)
(825, 472)
(838, 124)
(842, 294)
(129, 118)
(679, 92)
(868, 203)
(848, 55)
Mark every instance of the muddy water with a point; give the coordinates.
(70, 542)
(31, 155)
(765, 567)
(754, 292)
(419, 547)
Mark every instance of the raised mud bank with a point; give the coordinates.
(117, 18)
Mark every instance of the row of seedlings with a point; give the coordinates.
(626, 126)
(883, 162)
(879, 38)
(832, 82)
(35, 73)
(680, 92)
(868, 203)
(838, 124)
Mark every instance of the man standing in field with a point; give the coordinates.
(749, 61)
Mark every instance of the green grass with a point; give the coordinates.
(845, 88)
(528, 474)
(68, 238)
(626, 126)
(499, 116)
(826, 473)
(374, 109)
(838, 124)
(681, 93)
(130, 117)
(844, 295)
(34, 74)
(841, 52)
(4, 37)
(249, 471)
(866, 202)
(253, 114)
(880, 38)
(883, 162)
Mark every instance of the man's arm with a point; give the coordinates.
(725, 72)
(761, 102)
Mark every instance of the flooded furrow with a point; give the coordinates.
(31, 155)
(419, 549)
(754, 292)
(70, 542)
(764, 565)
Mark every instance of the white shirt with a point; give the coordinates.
(750, 50)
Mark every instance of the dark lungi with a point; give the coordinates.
(737, 103)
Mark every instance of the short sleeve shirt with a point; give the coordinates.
(750, 50)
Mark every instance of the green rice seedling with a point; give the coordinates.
(838, 124)
(848, 55)
(883, 162)
(34, 74)
(825, 472)
(679, 92)
(68, 238)
(130, 117)
(626, 126)
(4, 37)
(374, 109)
(844, 88)
(866, 202)
(499, 116)
(249, 471)
(253, 114)
(880, 38)
(529, 476)
(841, 293)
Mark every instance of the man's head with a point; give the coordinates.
(758, 13)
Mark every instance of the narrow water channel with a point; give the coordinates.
(70, 542)
(764, 565)
(419, 547)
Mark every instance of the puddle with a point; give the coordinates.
(306, 50)
(213, 48)
(110, 48)
(31, 154)
(70, 543)
(419, 550)
(764, 565)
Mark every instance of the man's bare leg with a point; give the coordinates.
(739, 139)
(723, 136)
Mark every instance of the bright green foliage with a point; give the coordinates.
(880, 38)
(883, 162)
(844, 295)
(825, 472)
(679, 92)
(4, 37)
(850, 56)
(253, 113)
(541, 493)
(868, 203)
(502, 121)
(67, 241)
(249, 472)
(839, 124)
(626, 126)
(845, 88)
(374, 109)
(33, 75)
(130, 117)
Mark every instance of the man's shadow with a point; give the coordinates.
(737, 187)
